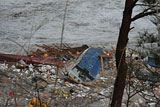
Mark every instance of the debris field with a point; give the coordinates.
(60, 75)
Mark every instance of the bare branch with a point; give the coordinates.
(147, 5)
(143, 14)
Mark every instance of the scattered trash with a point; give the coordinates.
(38, 103)
(43, 75)
(54, 75)
(11, 94)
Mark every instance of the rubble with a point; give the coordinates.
(48, 83)
(52, 85)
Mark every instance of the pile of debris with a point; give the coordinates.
(58, 76)
(142, 79)
(55, 75)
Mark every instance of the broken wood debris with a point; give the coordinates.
(38, 76)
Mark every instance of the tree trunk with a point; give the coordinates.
(158, 28)
(120, 54)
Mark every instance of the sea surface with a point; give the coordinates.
(24, 23)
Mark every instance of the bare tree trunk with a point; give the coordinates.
(120, 54)
(158, 28)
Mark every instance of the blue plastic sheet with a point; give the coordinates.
(151, 61)
(91, 62)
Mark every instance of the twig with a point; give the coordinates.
(64, 17)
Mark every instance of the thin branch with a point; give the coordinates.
(147, 5)
(143, 14)
(63, 25)
(18, 45)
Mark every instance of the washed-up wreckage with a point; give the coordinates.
(54, 72)
(50, 66)
(82, 63)
(149, 66)
(50, 55)
(87, 66)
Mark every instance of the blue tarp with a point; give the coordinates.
(91, 61)
(152, 62)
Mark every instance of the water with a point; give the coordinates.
(40, 22)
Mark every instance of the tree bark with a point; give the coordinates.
(120, 54)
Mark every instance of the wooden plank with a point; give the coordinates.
(29, 59)
(102, 65)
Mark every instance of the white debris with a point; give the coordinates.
(140, 101)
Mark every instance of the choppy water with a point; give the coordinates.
(87, 21)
